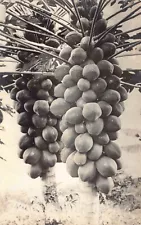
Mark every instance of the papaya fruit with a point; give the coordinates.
(117, 110)
(108, 38)
(65, 52)
(39, 122)
(34, 132)
(112, 124)
(73, 38)
(87, 62)
(83, 84)
(99, 86)
(91, 72)
(78, 55)
(68, 137)
(89, 96)
(85, 23)
(50, 99)
(65, 152)
(95, 153)
(61, 71)
(20, 153)
(93, 10)
(33, 85)
(54, 147)
(96, 54)
(59, 107)
(21, 83)
(41, 108)
(108, 49)
(46, 84)
(71, 166)
(40, 143)
(50, 134)
(24, 119)
(76, 73)
(25, 142)
(106, 68)
(28, 106)
(68, 81)
(82, 11)
(19, 107)
(23, 129)
(117, 70)
(123, 93)
(13, 93)
(80, 102)
(35, 171)
(100, 26)
(91, 111)
(112, 150)
(102, 138)
(42, 94)
(119, 163)
(83, 143)
(72, 94)
(31, 155)
(96, 127)
(114, 61)
(51, 121)
(63, 124)
(113, 136)
(85, 43)
(80, 158)
(106, 166)
(23, 96)
(113, 82)
(87, 172)
(111, 96)
(48, 159)
(52, 42)
(74, 115)
(104, 185)
(105, 107)
(80, 128)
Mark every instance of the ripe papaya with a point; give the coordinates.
(23, 96)
(99, 86)
(108, 49)
(71, 166)
(73, 38)
(111, 96)
(105, 107)
(83, 143)
(85, 23)
(28, 106)
(80, 102)
(83, 84)
(46, 84)
(91, 72)
(65, 52)
(34, 85)
(104, 185)
(112, 124)
(59, 107)
(65, 152)
(68, 137)
(95, 153)
(40, 143)
(76, 73)
(78, 55)
(50, 134)
(68, 81)
(32, 155)
(89, 96)
(24, 119)
(54, 147)
(61, 71)
(42, 94)
(87, 172)
(41, 108)
(35, 171)
(80, 128)
(74, 115)
(106, 68)
(80, 158)
(85, 43)
(95, 128)
(102, 138)
(25, 142)
(112, 150)
(91, 111)
(96, 54)
(113, 82)
(106, 166)
(48, 159)
(39, 122)
(72, 94)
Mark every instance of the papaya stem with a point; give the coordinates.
(126, 44)
(116, 25)
(125, 49)
(37, 26)
(18, 48)
(128, 31)
(122, 10)
(131, 85)
(78, 17)
(104, 5)
(26, 73)
(126, 55)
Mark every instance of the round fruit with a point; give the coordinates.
(24, 129)
(112, 124)
(71, 166)
(51, 121)
(104, 185)
(113, 136)
(117, 70)
(106, 108)
(112, 150)
(48, 159)
(21, 83)
(119, 164)
(24, 119)
(65, 152)
(74, 115)
(54, 147)
(102, 138)
(96, 54)
(100, 26)
(106, 166)
(28, 106)
(108, 49)
(123, 93)
(59, 107)
(40, 143)
(114, 61)
(80, 158)
(85, 23)
(19, 107)
(39, 122)
(72, 94)
(20, 153)
(111, 96)
(91, 72)
(106, 68)
(91, 111)
(87, 172)
(73, 38)
(76, 73)
(95, 153)
(96, 127)
(25, 142)
(46, 84)
(23, 96)
(13, 93)
(52, 42)
(50, 134)
(65, 52)
(67, 81)
(31, 155)
(33, 85)
(89, 96)
(117, 110)
(80, 128)
(61, 71)
(108, 38)
(42, 94)
(85, 43)
(99, 85)
(113, 82)
(80, 102)
(35, 171)
(33, 132)
(68, 137)
(41, 108)
(83, 85)
(78, 55)
(83, 143)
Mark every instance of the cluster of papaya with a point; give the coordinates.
(39, 144)
(90, 100)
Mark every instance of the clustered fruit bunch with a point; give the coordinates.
(90, 100)
(39, 145)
